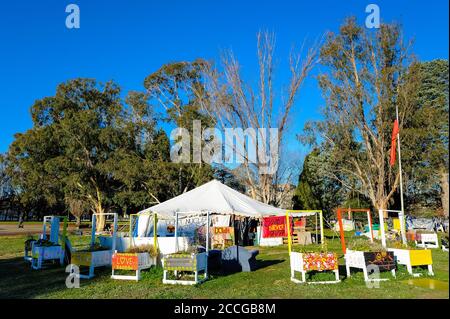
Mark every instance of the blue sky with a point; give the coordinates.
(127, 40)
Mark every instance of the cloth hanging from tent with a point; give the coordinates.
(241, 228)
(220, 220)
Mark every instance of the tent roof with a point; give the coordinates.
(214, 197)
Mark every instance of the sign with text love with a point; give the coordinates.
(275, 226)
(125, 261)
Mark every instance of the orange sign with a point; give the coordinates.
(276, 227)
(125, 261)
(222, 230)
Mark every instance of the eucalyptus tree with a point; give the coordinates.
(175, 90)
(74, 134)
(365, 74)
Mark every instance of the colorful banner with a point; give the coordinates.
(125, 261)
(275, 226)
(320, 261)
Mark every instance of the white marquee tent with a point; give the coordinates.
(217, 198)
(210, 198)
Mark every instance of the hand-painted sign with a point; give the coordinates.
(125, 261)
(222, 230)
(383, 259)
(180, 262)
(320, 261)
(275, 226)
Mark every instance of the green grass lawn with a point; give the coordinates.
(271, 280)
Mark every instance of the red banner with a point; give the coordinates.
(275, 226)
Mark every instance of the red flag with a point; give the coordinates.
(395, 131)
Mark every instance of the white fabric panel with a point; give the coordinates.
(220, 220)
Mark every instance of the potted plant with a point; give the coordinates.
(95, 256)
(190, 260)
(135, 259)
(41, 250)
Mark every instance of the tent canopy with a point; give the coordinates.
(214, 197)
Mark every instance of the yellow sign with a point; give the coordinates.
(420, 257)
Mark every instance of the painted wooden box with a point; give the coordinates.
(92, 258)
(184, 262)
(427, 240)
(131, 261)
(40, 254)
(177, 263)
(383, 260)
(413, 257)
(307, 262)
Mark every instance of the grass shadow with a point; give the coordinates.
(236, 268)
(19, 280)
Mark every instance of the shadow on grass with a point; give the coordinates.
(19, 281)
(236, 268)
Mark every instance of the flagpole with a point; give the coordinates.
(401, 218)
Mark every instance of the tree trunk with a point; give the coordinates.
(100, 219)
(381, 204)
(445, 191)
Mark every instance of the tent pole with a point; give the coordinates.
(207, 244)
(207, 232)
(114, 236)
(322, 239)
(288, 232)
(315, 217)
(176, 232)
(93, 227)
(155, 229)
